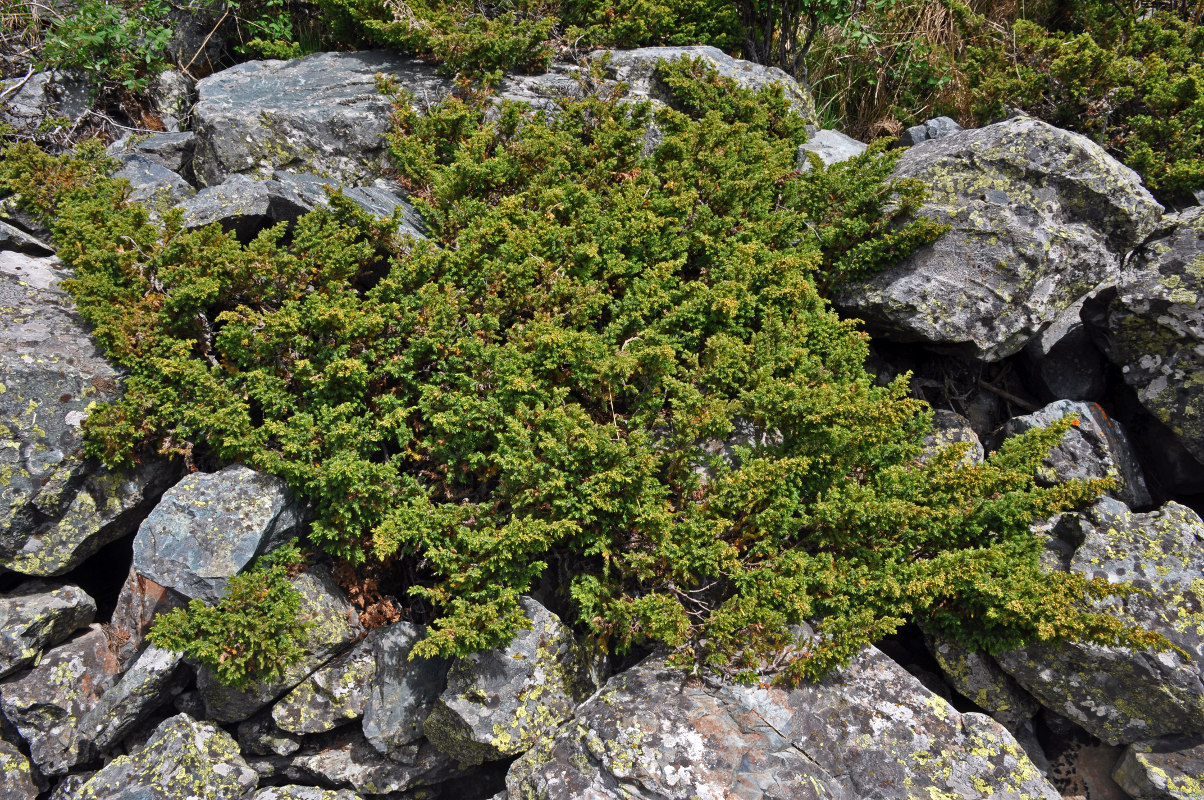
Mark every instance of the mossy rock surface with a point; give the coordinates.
(1039, 216)
(869, 730)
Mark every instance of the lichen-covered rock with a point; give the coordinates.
(333, 625)
(1117, 694)
(1162, 770)
(935, 128)
(144, 687)
(37, 615)
(172, 151)
(831, 147)
(138, 602)
(56, 507)
(1151, 323)
(1039, 217)
(1064, 361)
(500, 702)
(977, 677)
(183, 760)
(346, 760)
(304, 793)
(260, 736)
(319, 114)
(402, 692)
(869, 730)
(949, 428)
(637, 68)
(332, 696)
(154, 185)
(47, 703)
(209, 526)
(1096, 447)
(16, 775)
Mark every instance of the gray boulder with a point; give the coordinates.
(138, 602)
(208, 528)
(977, 677)
(171, 151)
(260, 736)
(1064, 361)
(1039, 217)
(831, 147)
(242, 205)
(13, 238)
(155, 186)
(347, 761)
(1151, 324)
(1116, 694)
(498, 703)
(36, 616)
(47, 703)
(183, 759)
(1095, 448)
(333, 625)
(45, 95)
(402, 692)
(1162, 770)
(16, 775)
(950, 428)
(56, 507)
(637, 68)
(334, 695)
(304, 793)
(935, 128)
(869, 730)
(144, 687)
(319, 114)
(171, 95)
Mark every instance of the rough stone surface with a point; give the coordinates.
(184, 759)
(1151, 324)
(37, 615)
(139, 601)
(334, 624)
(304, 793)
(13, 238)
(155, 186)
(144, 687)
(242, 205)
(1116, 694)
(47, 703)
(950, 428)
(1162, 770)
(260, 736)
(319, 114)
(402, 692)
(43, 96)
(209, 526)
(935, 128)
(978, 678)
(1095, 448)
(1039, 217)
(499, 702)
(637, 68)
(171, 151)
(1064, 360)
(869, 730)
(332, 696)
(347, 761)
(171, 97)
(16, 774)
(56, 507)
(831, 147)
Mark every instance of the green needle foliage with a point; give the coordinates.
(609, 368)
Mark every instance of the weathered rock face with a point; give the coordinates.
(1116, 694)
(171, 151)
(145, 686)
(36, 616)
(303, 793)
(402, 692)
(16, 775)
(1162, 770)
(332, 696)
(182, 759)
(976, 676)
(209, 526)
(870, 730)
(500, 702)
(334, 625)
(47, 703)
(831, 147)
(56, 507)
(154, 185)
(637, 68)
(1096, 447)
(1039, 217)
(319, 114)
(139, 601)
(935, 128)
(1151, 324)
(1064, 361)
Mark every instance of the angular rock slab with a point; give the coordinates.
(182, 760)
(56, 507)
(1162, 770)
(637, 68)
(172, 151)
(1039, 217)
(1064, 361)
(36, 616)
(977, 677)
(47, 703)
(869, 730)
(1151, 324)
(154, 185)
(935, 128)
(16, 775)
(319, 114)
(348, 761)
(500, 702)
(138, 603)
(304, 793)
(831, 147)
(333, 625)
(144, 687)
(209, 526)
(1116, 694)
(334, 695)
(1096, 447)
(402, 692)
